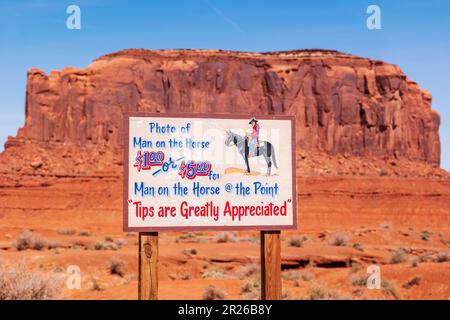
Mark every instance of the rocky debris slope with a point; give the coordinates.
(353, 115)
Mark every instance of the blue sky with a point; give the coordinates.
(415, 35)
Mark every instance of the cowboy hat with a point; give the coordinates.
(253, 120)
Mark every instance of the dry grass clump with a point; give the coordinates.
(99, 245)
(120, 242)
(339, 239)
(19, 283)
(390, 288)
(306, 275)
(415, 281)
(250, 290)
(186, 236)
(322, 293)
(359, 280)
(358, 246)
(442, 257)
(224, 237)
(419, 259)
(215, 274)
(190, 252)
(247, 287)
(425, 235)
(398, 256)
(186, 276)
(250, 238)
(248, 270)
(290, 275)
(66, 232)
(386, 225)
(117, 266)
(96, 285)
(27, 240)
(297, 241)
(106, 246)
(298, 277)
(213, 293)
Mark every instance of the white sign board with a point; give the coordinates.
(188, 172)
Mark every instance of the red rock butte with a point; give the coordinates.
(353, 115)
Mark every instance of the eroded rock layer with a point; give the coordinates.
(347, 108)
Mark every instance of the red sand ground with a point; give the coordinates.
(357, 206)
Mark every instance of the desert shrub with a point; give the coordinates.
(383, 173)
(247, 287)
(172, 276)
(251, 239)
(66, 232)
(398, 256)
(27, 240)
(213, 293)
(358, 246)
(84, 233)
(184, 237)
(79, 245)
(290, 275)
(425, 235)
(297, 241)
(442, 257)
(286, 295)
(105, 246)
(186, 276)
(214, 274)
(415, 262)
(190, 252)
(19, 283)
(339, 239)
(109, 239)
(111, 246)
(120, 242)
(359, 280)
(355, 267)
(96, 286)
(224, 237)
(386, 225)
(55, 245)
(322, 293)
(303, 276)
(248, 270)
(117, 266)
(99, 246)
(306, 276)
(412, 282)
(390, 288)
(250, 290)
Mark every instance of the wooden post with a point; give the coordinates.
(148, 265)
(270, 265)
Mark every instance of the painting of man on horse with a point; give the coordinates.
(250, 146)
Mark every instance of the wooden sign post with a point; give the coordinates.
(192, 172)
(270, 265)
(148, 265)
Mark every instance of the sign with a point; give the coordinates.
(185, 172)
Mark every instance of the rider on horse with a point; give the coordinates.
(254, 141)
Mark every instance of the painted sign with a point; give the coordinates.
(189, 172)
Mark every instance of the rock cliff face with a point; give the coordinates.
(345, 106)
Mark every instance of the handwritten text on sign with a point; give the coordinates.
(185, 173)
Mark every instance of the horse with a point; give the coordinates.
(241, 143)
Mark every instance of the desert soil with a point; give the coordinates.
(375, 217)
